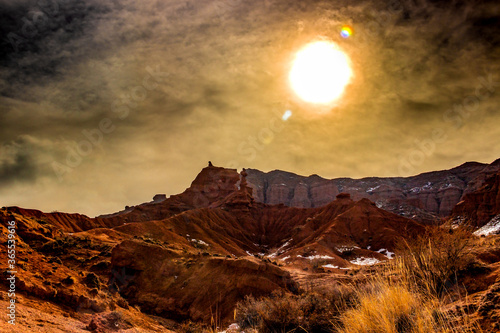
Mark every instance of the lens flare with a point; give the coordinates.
(286, 115)
(346, 31)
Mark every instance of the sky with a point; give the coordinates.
(106, 103)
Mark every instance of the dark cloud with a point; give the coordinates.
(22, 168)
(224, 66)
(39, 38)
(21, 160)
(419, 107)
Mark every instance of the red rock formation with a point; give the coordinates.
(67, 222)
(182, 283)
(169, 283)
(301, 196)
(425, 197)
(195, 254)
(210, 185)
(360, 224)
(322, 192)
(480, 206)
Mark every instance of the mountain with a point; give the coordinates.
(240, 229)
(201, 250)
(481, 208)
(194, 255)
(426, 197)
(239, 233)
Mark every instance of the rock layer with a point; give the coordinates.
(425, 197)
(196, 254)
(480, 206)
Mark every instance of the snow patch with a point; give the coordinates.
(427, 186)
(372, 189)
(315, 257)
(344, 248)
(333, 266)
(490, 228)
(457, 221)
(365, 261)
(199, 241)
(280, 249)
(232, 328)
(387, 253)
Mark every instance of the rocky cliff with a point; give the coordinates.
(425, 197)
(482, 205)
(194, 255)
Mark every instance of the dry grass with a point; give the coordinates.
(424, 274)
(395, 309)
(377, 307)
(315, 311)
(432, 262)
(409, 301)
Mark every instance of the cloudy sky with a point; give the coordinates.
(104, 104)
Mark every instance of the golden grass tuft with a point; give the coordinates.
(390, 309)
(431, 263)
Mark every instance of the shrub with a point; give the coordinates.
(315, 311)
(431, 263)
(395, 309)
(278, 313)
(59, 245)
(191, 327)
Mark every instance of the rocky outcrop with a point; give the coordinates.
(425, 197)
(167, 283)
(160, 197)
(301, 197)
(321, 192)
(345, 223)
(211, 185)
(65, 221)
(210, 258)
(480, 206)
(196, 254)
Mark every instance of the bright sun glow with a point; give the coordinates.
(320, 73)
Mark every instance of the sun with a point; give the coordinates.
(320, 73)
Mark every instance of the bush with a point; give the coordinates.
(315, 311)
(277, 313)
(60, 245)
(431, 263)
(394, 308)
(191, 327)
